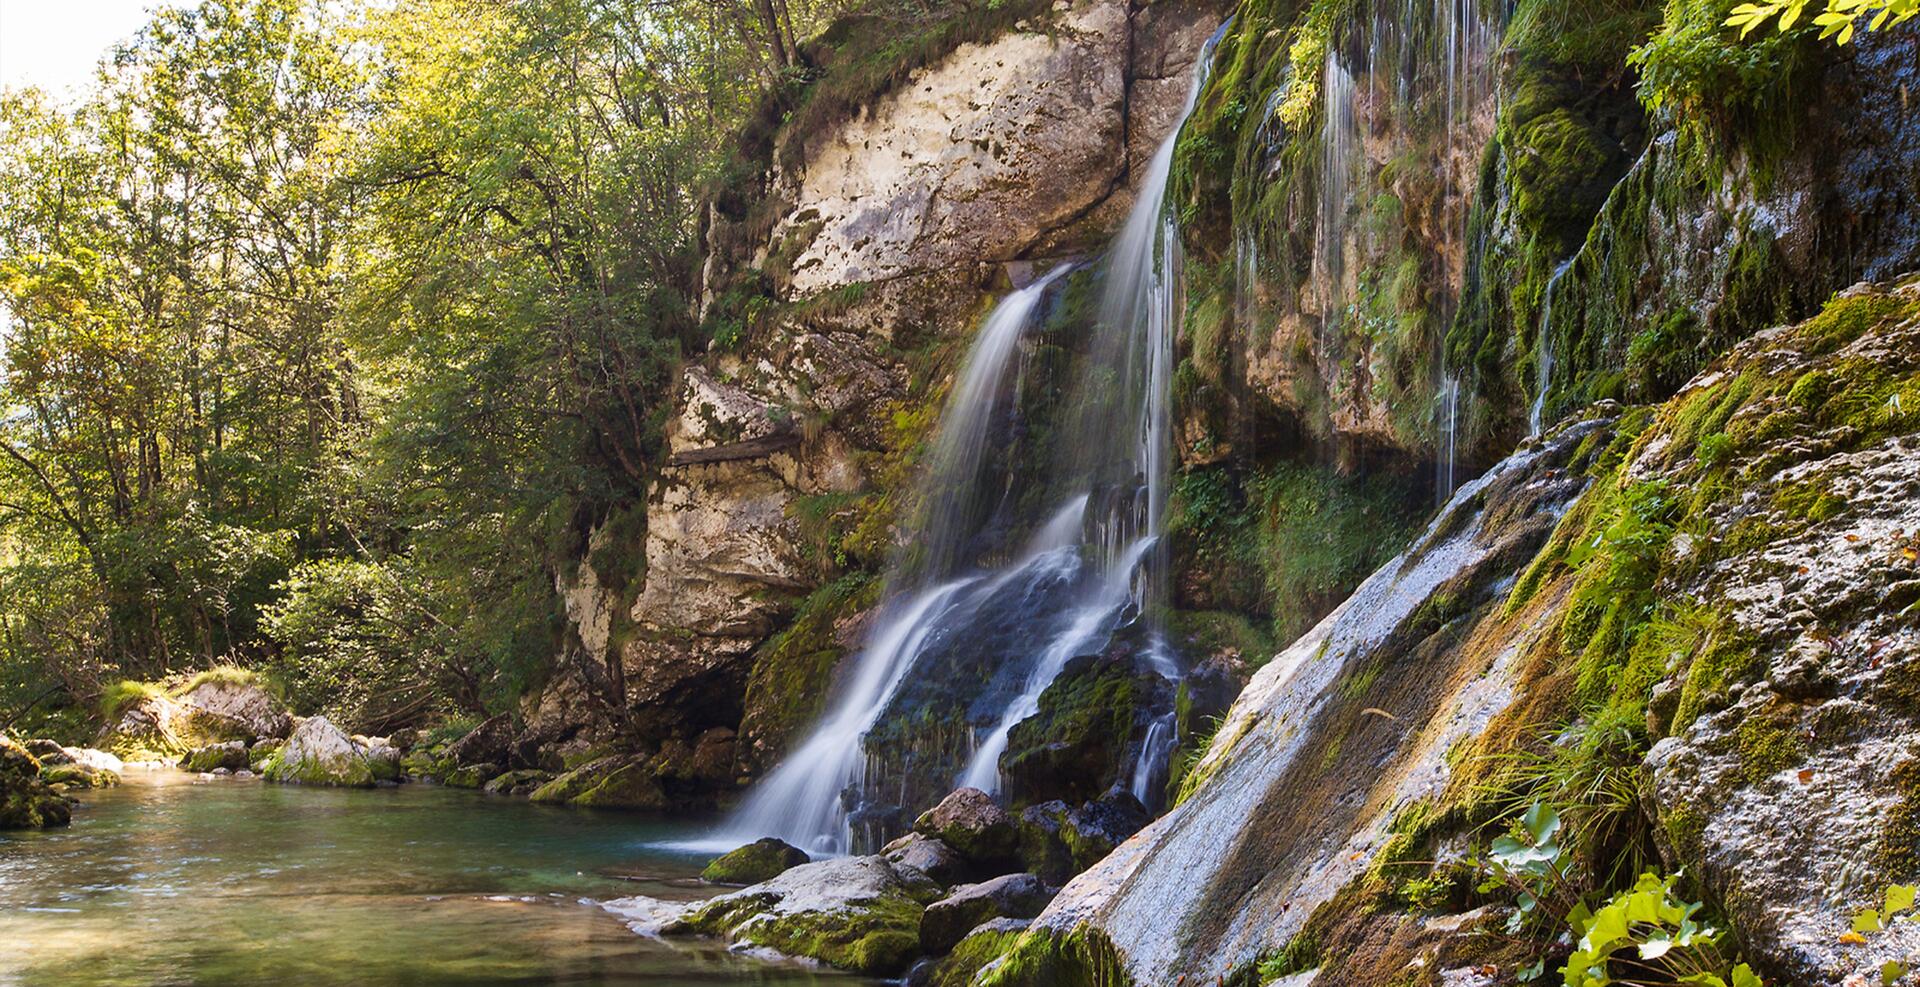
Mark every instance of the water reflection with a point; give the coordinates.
(167, 881)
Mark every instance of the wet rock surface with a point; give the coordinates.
(319, 753)
(759, 861)
(949, 920)
(27, 802)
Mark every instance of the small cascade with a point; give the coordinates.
(1447, 453)
(1341, 163)
(968, 621)
(1543, 375)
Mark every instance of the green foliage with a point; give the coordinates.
(1710, 81)
(1669, 943)
(1839, 20)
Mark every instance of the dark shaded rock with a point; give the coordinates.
(985, 945)
(521, 782)
(947, 921)
(1096, 828)
(473, 775)
(26, 802)
(973, 824)
(1043, 850)
(487, 743)
(762, 860)
(1085, 737)
(49, 752)
(619, 781)
(928, 856)
(231, 755)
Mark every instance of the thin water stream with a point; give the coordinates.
(169, 880)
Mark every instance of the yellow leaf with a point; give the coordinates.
(1853, 938)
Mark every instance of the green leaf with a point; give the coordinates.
(1900, 898)
(1867, 921)
(1655, 947)
(1743, 976)
(1891, 971)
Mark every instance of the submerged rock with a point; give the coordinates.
(27, 802)
(973, 824)
(74, 774)
(855, 913)
(319, 753)
(762, 860)
(949, 920)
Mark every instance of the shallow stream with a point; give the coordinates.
(169, 879)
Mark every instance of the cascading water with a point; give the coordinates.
(1405, 73)
(1543, 375)
(1091, 567)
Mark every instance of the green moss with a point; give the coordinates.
(1769, 742)
(788, 684)
(1045, 958)
(762, 860)
(1300, 954)
(232, 675)
(115, 699)
(878, 937)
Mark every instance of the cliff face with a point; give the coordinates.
(1682, 613)
(845, 288)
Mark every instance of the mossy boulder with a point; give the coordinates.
(27, 802)
(947, 921)
(521, 782)
(320, 753)
(487, 743)
(473, 775)
(761, 860)
(855, 913)
(74, 774)
(1082, 739)
(619, 781)
(974, 825)
(231, 755)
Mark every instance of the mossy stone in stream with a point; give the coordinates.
(761, 860)
(472, 775)
(855, 913)
(617, 782)
(74, 775)
(27, 802)
(320, 753)
(231, 755)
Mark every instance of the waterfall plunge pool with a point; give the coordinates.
(168, 879)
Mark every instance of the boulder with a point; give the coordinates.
(98, 760)
(261, 753)
(73, 774)
(520, 782)
(487, 743)
(473, 775)
(619, 781)
(949, 920)
(319, 753)
(231, 755)
(855, 913)
(973, 824)
(761, 860)
(1096, 828)
(927, 856)
(26, 802)
(382, 756)
(49, 752)
(238, 709)
(981, 948)
(151, 727)
(1043, 848)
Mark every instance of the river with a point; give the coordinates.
(174, 880)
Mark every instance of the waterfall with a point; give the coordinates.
(1543, 373)
(1091, 566)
